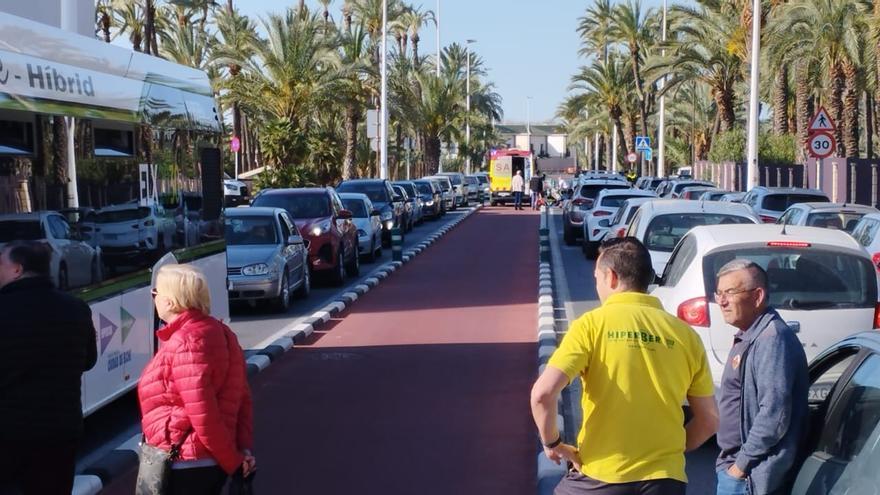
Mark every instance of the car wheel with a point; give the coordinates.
(354, 268)
(306, 287)
(567, 235)
(63, 281)
(339, 269)
(282, 302)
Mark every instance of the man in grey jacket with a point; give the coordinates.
(763, 398)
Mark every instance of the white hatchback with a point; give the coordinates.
(597, 218)
(820, 280)
(620, 221)
(660, 224)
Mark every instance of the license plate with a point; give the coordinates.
(503, 195)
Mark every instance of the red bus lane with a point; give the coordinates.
(423, 387)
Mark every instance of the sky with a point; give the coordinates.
(528, 46)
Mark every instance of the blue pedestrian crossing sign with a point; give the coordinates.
(643, 143)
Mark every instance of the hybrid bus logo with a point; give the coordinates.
(49, 78)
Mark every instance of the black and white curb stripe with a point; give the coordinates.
(549, 473)
(124, 459)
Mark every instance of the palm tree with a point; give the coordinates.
(413, 20)
(635, 28)
(605, 86)
(354, 70)
(104, 13)
(594, 29)
(130, 20)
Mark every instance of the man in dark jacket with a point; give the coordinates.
(536, 186)
(763, 399)
(47, 341)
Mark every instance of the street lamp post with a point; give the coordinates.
(383, 119)
(438, 37)
(467, 117)
(661, 139)
(528, 124)
(752, 158)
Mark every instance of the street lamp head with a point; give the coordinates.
(470, 41)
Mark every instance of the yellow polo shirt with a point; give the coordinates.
(637, 364)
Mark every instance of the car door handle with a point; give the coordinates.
(794, 325)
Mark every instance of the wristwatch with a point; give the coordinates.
(554, 444)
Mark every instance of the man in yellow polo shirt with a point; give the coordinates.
(637, 364)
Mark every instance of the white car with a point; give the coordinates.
(840, 216)
(597, 218)
(620, 221)
(133, 234)
(74, 262)
(235, 192)
(820, 280)
(770, 202)
(661, 224)
(368, 222)
(866, 234)
(675, 187)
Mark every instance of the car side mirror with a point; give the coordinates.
(294, 239)
(604, 222)
(344, 215)
(375, 213)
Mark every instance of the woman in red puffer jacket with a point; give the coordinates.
(194, 392)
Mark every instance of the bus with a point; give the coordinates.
(112, 158)
(503, 165)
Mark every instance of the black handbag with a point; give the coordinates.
(154, 471)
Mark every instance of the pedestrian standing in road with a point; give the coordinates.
(517, 185)
(764, 387)
(47, 341)
(536, 185)
(194, 394)
(637, 364)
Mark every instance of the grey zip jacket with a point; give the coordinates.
(774, 410)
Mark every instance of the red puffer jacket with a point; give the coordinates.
(198, 380)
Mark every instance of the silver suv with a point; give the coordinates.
(460, 185)
(770, 202)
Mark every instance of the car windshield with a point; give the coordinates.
(781, 202)
(665, 231)
(250, 231)
(114, 216)
(616, 201)
(374, 190)
(482, 179)
(805, 278)
(444, 185)
(840, 220)
(456, 179)
(357, 207)
(410, 190)
(424, 188)
(473, 181)
(297, 205)
(20, 230)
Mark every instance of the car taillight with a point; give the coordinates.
(582, 202)
(621, 232)
(877, 315)
(766, 219)
(876, 260)
(695, 312)
(601, 213)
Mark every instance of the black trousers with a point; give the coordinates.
(575, 483)
(37, 467)
(198, 481)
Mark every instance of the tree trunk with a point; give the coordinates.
(608, 155)
(59, 160)
(724, 101)
(802, 108)
(837, 84)
(147, 28)
(105, 26)
(432, 154)
(780, 101)
(643, 111)
(351, 123)
(851, 110)
(629, 133)
(869, 125)
(415, 46)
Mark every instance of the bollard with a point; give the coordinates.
(396, 245)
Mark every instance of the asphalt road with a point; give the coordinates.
(578, 294)
(118, 422)
(422, 387)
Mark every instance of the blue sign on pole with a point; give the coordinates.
(648, 154)
(643, 143)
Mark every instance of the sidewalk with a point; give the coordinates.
(423, 388)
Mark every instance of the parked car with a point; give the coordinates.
(485, 185)
(588, 175)
(575, 209)
(413, 198)
(408, 209)
(820, 280)
(715, 194)
(432, 198)
(235, 192)
(597, 219)
(648, 183)
(132, 234)
(865, 234)
(842, 448)
(320, 217)
(74, 263)
(696, 192)
(475, 189)
(733, 197)
(369, 226)
(770, 202)
(620, 221)
(448, 192)
(460, 186)
(661, 224)
(389, 203)
(674, 188)
(840, 216)
(266, 256)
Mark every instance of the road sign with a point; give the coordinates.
(235, 144)
(822, 121)
(821, 144)
(632, 157)
(648, 154)
(643, 143)
(372, 123)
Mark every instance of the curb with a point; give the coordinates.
(123, 459)
(548, 472)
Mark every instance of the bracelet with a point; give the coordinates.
(555, 444)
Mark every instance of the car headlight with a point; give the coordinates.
(389, 225)
(429, 202)
(320, 229)
(257, 269)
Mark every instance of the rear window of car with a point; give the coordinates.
(483, 179)
(781, 202)
(664, 231)
(840, 220)
(424, 188)
(250, 231)
(376, 191)
(357, 207)
(616, 201)
(805, 278)
(473, 181)
(590, 191)
(115, 216)
(410, 190)
(297, 205)
(20, 230)
(680, 187)
(455, 179)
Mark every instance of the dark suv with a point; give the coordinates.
(320, 217)
(389, 203)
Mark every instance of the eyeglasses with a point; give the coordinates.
(719, 295)
(154, 293)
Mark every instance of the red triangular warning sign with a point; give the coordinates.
(821, 121)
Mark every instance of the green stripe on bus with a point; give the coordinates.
(186, 255)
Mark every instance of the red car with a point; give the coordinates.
(325, 224)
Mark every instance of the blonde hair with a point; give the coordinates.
(185, 286)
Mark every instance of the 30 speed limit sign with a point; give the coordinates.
(821, 144)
